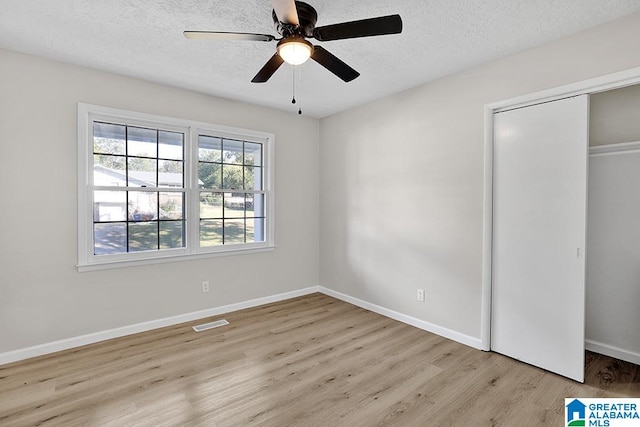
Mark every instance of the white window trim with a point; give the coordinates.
(89, 262)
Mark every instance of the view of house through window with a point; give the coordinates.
(171, 190)
(136, 172)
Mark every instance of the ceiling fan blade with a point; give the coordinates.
(269, 68)
(333, 64)
(379, 26)
(221, 35)
(286, 11)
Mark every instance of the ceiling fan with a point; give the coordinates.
(296, 21)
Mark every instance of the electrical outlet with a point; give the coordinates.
(420, 295)
(205, 286)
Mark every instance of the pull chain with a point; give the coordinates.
(293, 81)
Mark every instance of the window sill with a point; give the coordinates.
(107, 265)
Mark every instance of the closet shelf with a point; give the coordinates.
(614, 148)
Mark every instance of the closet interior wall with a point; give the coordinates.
(613, 225)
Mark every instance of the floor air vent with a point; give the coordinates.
(210, 325)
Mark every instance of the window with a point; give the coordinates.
(152, 188)
(231, 191)
(138, 189)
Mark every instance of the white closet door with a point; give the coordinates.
(539, 229)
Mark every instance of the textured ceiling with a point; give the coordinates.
(143, 38)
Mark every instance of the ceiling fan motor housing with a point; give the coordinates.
(307, 17)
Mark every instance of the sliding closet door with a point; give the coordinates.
(539, 208)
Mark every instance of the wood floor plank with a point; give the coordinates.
(308, 361)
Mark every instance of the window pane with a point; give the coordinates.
(109, 206)
(211, 232)
(210, 175)
(108, 138)
(234, 205)
(232, 178)
(170, 173)
(109, 170)
(255, 230)
(210, 205)
(143, 236)
(170, 145)
(143, 206)
(171, 205)
(109, 238)
(252, 154)
(142, 142)
(209, 149)
(171, 234)
(252, 177)
(233, 231)
(232, 151)
(142, 172)
(255, 205)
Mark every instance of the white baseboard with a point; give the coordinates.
(39, 350)
(421, 324)
(609, 350)
(52, 347)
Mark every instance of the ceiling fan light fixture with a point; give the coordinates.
(295, 50)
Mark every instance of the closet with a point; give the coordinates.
(613, 225)
(549, 300)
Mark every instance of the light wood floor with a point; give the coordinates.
(309, 361)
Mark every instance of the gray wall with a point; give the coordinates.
(613, 256)
(401, 185)
(615, 116)
(42, 296)
(397, 194)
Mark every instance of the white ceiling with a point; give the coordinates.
(143, 38)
